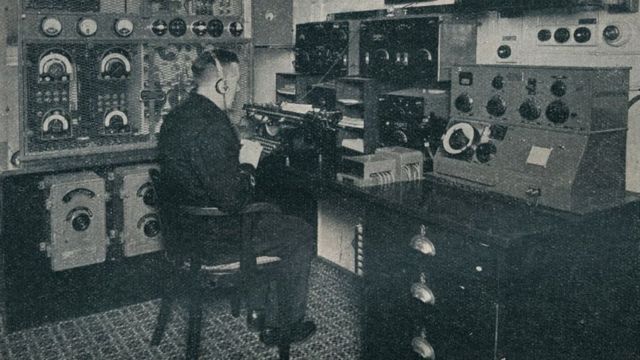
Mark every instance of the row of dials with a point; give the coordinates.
(557, 111)
(87, 27)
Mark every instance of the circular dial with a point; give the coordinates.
(123, 27)
(177, 27)
(559, 88)
(55, 123)
(544, 35)
(149, 196)
(459, 138)
(80, 221)
(57, 70)
(159, 27)
(498, 82)
(557, 112)
(199, 28)
(504, 51)
(151, 227)
(562, 35)
(115, 69)
(582, 35)
(215, 28)
(51, 26)
(611, 33)
(484, 152)
(87, 27)
(464, 103)
(530, 110)
(496, 106)
(236, 28)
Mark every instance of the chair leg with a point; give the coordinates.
(236, 301)
(164, 315)
(194, 325)
(283, 351)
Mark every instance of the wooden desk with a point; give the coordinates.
(508, 280)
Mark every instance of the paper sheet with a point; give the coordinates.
(539, 156)
(250, 152)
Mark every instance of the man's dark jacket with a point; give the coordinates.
(198, 152)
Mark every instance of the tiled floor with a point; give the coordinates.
(124, 333)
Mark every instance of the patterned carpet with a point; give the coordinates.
(124, 333)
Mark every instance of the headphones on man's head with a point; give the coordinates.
(222, 87)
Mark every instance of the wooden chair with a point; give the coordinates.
(188, 269)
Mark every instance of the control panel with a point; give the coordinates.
(402, 50)
(554, 136)
(414, 118)
(323, 48)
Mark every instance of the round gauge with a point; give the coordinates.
(51, 26)
(87, 27)
(215, 28)
(199, 28)
(159, 27)
(236, 28)
(123, 27)
(177, 27)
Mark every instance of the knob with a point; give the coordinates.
(529, 110)
(485, 151)
(496, 106)
(159, 27)
(236, 28)
(582, 35)
(81, 221)
(422, 244)
(177, 27)
(562, 35)
(151, 228)
(199, 28)
(504, 52)
(464, 103)
(544, 35)
(498, 82)
(215, 28)
(57, 70)
(421, 346)
(115, 69)
(149, 196)
(611, 33)
(557, 112)
(559, 88)
(421, 292)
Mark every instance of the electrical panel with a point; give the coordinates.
(554, 136)
(95, 77)
(586, 38)
(324, 48)
(136, 213)
(77, 220)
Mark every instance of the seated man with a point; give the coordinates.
(199, 166)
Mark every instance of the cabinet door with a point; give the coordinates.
(445, 279)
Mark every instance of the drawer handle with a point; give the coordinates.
(422, 292)
(422, 244)
(421, 346)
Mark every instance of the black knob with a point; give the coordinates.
(464, 103)
(504, 51)
(562, 35)
(611, 33)
(151, 228)
(544, 35)
(484, 152)
(177, 27)
(199, 28)
(149, 197)
(115, 69)
(458, 140)
(81, 222)
(582, 35)
(56, 127)
(558, 112)
(159, 27)
(236, 28)
(215, 28)
(117, 122)
(498, 82)
(496, 106)
(559, 88)
(529, 110)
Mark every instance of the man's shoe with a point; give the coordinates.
(298, 332)
(255, 320)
